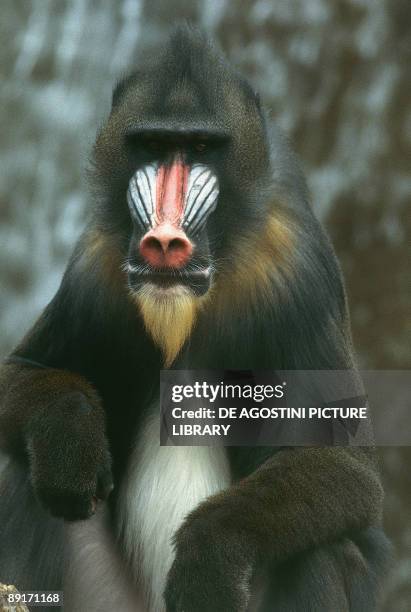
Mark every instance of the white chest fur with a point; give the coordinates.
(163, 485)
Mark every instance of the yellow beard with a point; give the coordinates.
(169, 316)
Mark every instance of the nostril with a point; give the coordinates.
(153, 244)
(177, 244)
(178, 252)
(151, 249)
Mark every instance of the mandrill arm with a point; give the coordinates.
(297, 500)
(56, 418)
(53, 411)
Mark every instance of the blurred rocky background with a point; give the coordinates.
(336, 77)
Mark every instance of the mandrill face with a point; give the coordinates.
(180, 160)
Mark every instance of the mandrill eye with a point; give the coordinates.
(200, 147)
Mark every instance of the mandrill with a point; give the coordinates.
(202, 252)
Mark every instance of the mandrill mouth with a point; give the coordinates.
(169, 280)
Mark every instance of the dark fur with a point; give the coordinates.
(309, 517)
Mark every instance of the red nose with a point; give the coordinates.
(166, 246)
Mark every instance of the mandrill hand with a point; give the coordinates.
(213, 568)
(69, 458)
